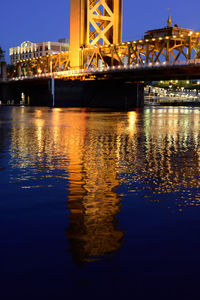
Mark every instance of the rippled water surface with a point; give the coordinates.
(99, 205)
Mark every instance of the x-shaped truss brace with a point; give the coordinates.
(101, 18)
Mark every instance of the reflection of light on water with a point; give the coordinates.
(172, 148)
(39, 123)
(85, 149)
(37, 186)
(38, 113)
(156, 152)
(93, 234)
(132, 115)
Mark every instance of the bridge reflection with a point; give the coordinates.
(93, 177)
(93, 153)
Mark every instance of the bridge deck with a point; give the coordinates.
(159, 71)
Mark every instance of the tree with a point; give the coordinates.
(2, 55)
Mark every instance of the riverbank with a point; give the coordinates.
(172, 101)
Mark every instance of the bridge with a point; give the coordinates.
(97, 52)
(181, 70)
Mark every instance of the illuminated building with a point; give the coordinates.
(168, 31)
(29, 49)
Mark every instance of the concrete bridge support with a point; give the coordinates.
(113, 94)
(99, 94)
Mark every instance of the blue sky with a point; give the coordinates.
(42, 20)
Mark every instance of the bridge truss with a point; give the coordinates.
(104, 25)
(156, 50)
(148, 51)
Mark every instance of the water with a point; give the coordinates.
(99, 205)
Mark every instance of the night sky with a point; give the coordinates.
(42, 20)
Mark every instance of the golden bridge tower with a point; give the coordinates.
(93, 23)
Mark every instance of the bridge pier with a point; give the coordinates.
(100, 93)
(116, 94)
(25, 92)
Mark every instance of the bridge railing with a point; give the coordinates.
(106, 69)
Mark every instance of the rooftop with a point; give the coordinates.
(169, 30)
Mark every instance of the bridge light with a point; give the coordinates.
(153, 39)
(167, 37)
(146, 40)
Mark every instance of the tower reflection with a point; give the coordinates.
(92, 200)
(85, 148)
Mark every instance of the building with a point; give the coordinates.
(169, 30)
(30, 50)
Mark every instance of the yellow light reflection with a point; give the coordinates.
(132, 116)
(158, 150)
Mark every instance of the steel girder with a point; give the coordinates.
(149, 51)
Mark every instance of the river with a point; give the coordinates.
(99, 204)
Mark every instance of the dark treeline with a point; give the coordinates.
(1, 54)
